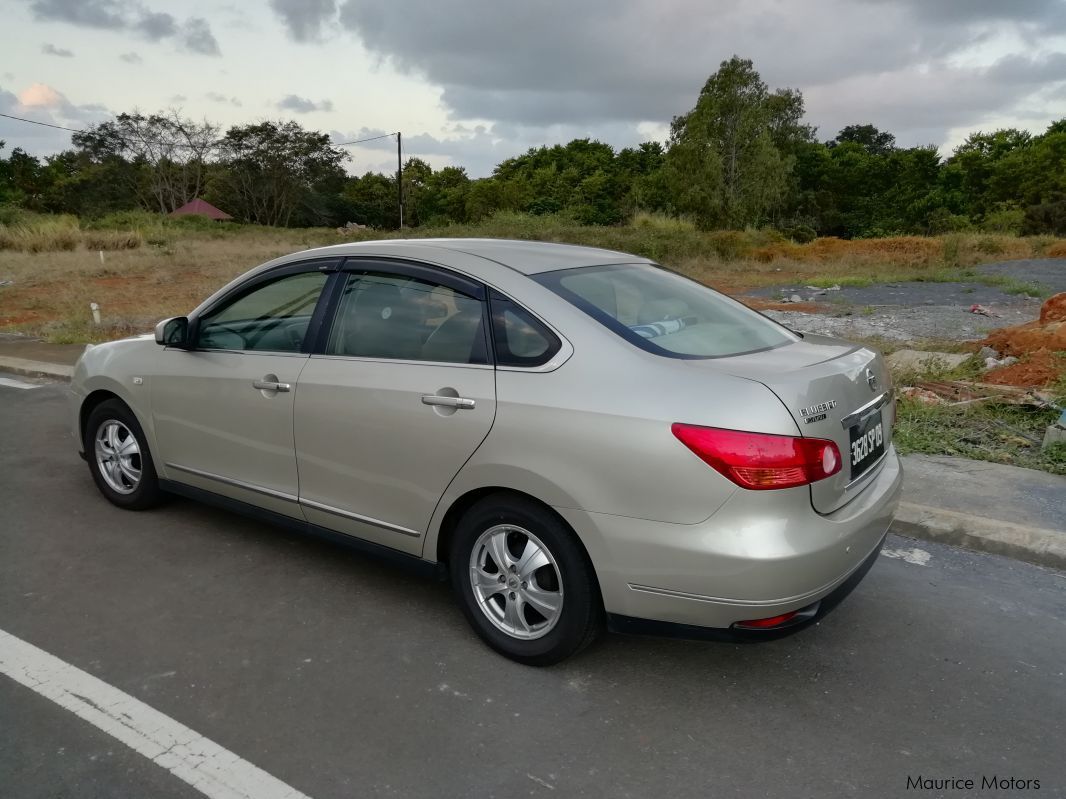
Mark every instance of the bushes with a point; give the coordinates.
(801, 234)
(36, 233)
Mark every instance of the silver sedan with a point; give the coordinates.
(579, 438)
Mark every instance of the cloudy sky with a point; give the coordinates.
(472, 82)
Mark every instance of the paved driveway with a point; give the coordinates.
(343, 676)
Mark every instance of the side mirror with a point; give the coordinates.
(173, 332)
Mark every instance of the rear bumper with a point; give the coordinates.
(761, 554)
(808, 616)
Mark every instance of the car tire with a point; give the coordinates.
(542, 603)
(119, 459)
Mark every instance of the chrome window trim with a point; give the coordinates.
(269, 492)
(280, 353)
(368, 359)
(345, 514)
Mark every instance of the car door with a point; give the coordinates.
(400, 396)
(222, 411)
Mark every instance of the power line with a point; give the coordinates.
(42, 124)
(79, 130)
(360, 141)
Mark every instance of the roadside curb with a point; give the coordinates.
(1030, 544)
(22, 366)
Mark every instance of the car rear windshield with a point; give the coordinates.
(665, 313)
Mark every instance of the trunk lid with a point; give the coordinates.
(834, 390)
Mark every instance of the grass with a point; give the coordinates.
(153, 267)
(1008, 434)
(988, 431)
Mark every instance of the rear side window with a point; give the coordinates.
(395, 316)
(519, 337)
(664, 313)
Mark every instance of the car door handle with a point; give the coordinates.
(460, 403)
(270, 385)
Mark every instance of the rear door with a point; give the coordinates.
(398, 397)
(833, 390)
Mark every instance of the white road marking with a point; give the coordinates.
(919, 557)
(189, 756)
(12, 383)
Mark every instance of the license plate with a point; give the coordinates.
(867, 443)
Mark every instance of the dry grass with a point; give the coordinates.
(158, 270)
(41, 234)
(51, 292)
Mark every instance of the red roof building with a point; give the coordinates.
(199, 207)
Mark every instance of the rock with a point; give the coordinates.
(995, 363)
(795, 298)
(1053, 309)
(987, 352)
(1054, 435)
(920, 361)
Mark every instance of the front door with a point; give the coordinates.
(223, 412)
(399, 400)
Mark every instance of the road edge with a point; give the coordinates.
(23, 366)
(1030, 544)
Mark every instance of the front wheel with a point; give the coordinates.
(523, 581)
(119, 460)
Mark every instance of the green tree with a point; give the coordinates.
(731, 157)
(874, 141)
(275, 173)
(171, 153)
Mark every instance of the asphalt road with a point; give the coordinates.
(343, 676)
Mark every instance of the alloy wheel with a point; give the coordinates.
(118, 456)
(516, 582)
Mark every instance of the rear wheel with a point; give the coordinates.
(523, 581)
(119, 460)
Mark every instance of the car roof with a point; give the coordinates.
(527, 257)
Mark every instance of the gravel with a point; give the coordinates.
(927, 322)
(918, 311)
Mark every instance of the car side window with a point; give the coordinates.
(519, 337)
(384, 315)
(270, 318)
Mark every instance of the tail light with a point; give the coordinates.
(760, 461)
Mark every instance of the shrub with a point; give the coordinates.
(801, 234)
(1057, 250)
(728, 244)
(1005, 219)
(662, 222)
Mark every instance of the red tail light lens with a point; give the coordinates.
(759, 461)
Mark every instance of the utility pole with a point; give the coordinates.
(399, 175)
